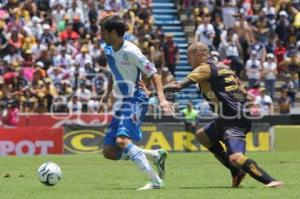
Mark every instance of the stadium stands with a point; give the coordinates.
(51, 52)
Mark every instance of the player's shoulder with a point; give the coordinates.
(210, 26)
(108, 49)
(203, 68)
(132, 50)
(220, 69)
(130, 47)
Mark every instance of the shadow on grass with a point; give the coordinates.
(187, 188)
(210, 187)
(118, 188)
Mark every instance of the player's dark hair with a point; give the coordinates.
(114, 22)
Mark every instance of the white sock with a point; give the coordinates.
(138, 157)
(151, 154)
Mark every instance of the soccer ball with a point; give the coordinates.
(49, 173)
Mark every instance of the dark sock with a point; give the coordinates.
(251, 167)
(223, 157)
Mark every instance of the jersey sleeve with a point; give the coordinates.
(140, 61)
(200, 74)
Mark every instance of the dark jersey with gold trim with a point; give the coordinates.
(221, 87)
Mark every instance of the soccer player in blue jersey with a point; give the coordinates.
(126, 62)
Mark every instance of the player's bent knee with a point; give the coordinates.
(110, 154)
(199, 134)
(236, 159)
(203, 138)
(122, 142)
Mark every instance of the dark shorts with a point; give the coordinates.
(231, 132)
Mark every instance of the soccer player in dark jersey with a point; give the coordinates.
(226, 96)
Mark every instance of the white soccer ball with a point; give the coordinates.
(49, 173)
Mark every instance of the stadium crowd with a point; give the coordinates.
(260, 40)
(52, 58)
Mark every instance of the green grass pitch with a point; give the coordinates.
(190, 175)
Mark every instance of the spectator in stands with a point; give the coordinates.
(35, 27)
(205, 32)
(60, 101)
(271, 44)
(66, 89)
(41, 103)
(10, 115)
(27, 100)
(113, 5)
(265, 102)
(13, 55)
(84, 94)
(231, 48)
(74, 106)
(269, 72)
(83, 58)
(259, 49)
(290, 86)
(50, 93)
(157, 55)
(244, 32)
(100, 81)
(285, 102)
(47, 36)
(282, 27)
(253, 70)
(280, 52)
(62, 59)
(57, 15)
(190, 118)
(53, 3)
(15, 39)
(188, 5)
(55, 32)
(292, 66)
(270, 12)
(45, 58)
(3, 39)
(93, 105)
(229, 8)
(171, 53)
(261, 28)
(69, 33)
(39, 70)
(75, 13)
(219, 28)
(57, 74)
(166, 76)
(95, 51)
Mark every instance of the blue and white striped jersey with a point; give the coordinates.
(126, 66)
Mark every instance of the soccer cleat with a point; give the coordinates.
(237, 179)
(160, 163)
(275, 184)
(152, 185)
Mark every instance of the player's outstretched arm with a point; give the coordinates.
(176, 86)
(164, 103)
(173, 87)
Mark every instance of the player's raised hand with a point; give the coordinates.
(167, 106)
(164, 104)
